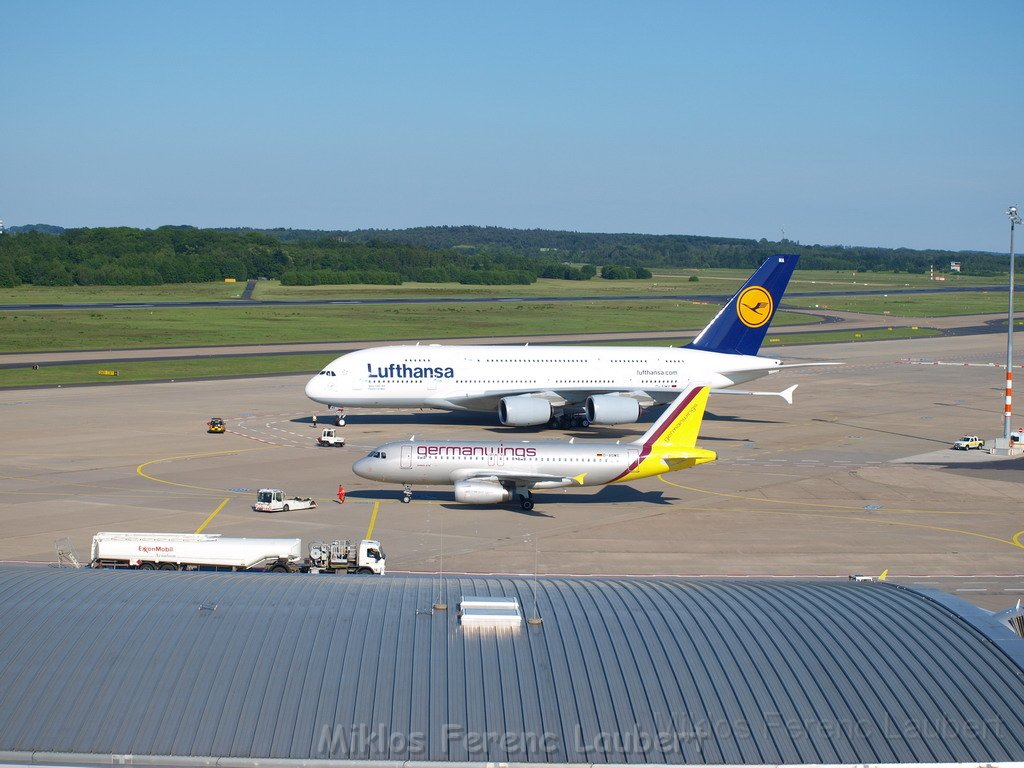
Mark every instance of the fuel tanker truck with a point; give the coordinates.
(211, 551)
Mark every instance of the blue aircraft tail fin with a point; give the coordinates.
(740, 326)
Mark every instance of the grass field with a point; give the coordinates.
(37, 331)
(124, 328)
(919, 305)
(814, 337)
(156, 370)
(216, 367)
(665, 282)
(115, 294)
(832, 337)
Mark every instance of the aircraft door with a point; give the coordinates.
(406, 457)
(356, 382)
(633, 457)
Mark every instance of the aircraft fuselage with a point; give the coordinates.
(476, 378)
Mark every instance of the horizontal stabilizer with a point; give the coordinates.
(688, 459)
(786, 394)
(804, 365)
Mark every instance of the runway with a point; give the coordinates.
(855, 478)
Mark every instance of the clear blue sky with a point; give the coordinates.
(894, 123)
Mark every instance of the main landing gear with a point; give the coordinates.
(525, 501)
(569, 421)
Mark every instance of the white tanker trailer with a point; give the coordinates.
(206, 551)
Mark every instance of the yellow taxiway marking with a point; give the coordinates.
(138, 469)
(213, 514)
(373, 520)
(1014, 542)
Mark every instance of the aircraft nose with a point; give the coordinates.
(362, 467)
(313, 389)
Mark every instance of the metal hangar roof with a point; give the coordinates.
(171, 667)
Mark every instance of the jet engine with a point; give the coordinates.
(612, 409)
(523, 411)
(481, 492)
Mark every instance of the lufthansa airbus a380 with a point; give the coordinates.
(566, 385)
(489, 472)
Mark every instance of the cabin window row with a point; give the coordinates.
(533, 361)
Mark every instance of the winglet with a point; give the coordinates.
(787, 394)
(740, 326)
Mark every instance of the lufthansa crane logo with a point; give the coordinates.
(754, 306)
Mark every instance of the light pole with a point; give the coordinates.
(1008, 411)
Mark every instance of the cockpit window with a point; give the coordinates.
(326, 372)
(378, 455)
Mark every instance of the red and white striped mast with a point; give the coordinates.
(1008, 411)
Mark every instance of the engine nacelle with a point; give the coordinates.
(612, 409)
(523, 411)
(480, 492)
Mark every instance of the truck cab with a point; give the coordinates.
(371, 557)
(270, 496)
(366, 556)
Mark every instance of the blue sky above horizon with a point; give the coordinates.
(869, 123)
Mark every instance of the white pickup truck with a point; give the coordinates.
(967, 442)
(273, 500)
(211, 551)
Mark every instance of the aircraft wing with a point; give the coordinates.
(558, 398)
(511, 476)
(805, 365)
(786, 394)
(488, 399)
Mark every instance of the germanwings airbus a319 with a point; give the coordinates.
(566, 385)
(489, 472)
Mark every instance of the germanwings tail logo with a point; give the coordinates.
(679, 424)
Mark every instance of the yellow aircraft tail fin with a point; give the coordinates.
(678, 426)
(670, 443)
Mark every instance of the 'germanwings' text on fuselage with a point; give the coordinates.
(561, 385)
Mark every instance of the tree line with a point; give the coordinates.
(49, 255)
(679, 251)
(127, 256)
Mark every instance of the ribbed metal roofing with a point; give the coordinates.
(621, 670)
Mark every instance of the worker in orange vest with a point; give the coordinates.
(341, 494)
